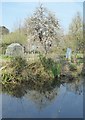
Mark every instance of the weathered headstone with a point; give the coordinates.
(48, 45)
(15, 50)
(33, 49)
(68, 53)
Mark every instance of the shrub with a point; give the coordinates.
(7, 77)
(47, 63)
(56, 70)
(14, 70)
(79, 56)
(18, 64)
(50, 65)
(73, 67)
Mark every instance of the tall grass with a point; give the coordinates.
(50, 65)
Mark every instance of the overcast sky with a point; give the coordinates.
(15, 12)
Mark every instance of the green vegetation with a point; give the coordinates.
(38, 75)
(43, 69)
(3, 57)
(73, 67)
(15, 37)
(14, 70)
(52, 66)
(75, 34)
(79, 56)
(56, 70)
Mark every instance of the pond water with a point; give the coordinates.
(64, 101)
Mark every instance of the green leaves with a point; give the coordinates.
(50, 65)
(6, 77)
(73, 67)
(56, 70)
(76, 32)
(14, 71)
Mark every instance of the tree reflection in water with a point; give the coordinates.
(44, 97)
(76, 87)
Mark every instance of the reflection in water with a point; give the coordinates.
(58, 102)
(77, 89)
(0, 106)
(42, 99)
(75, 86)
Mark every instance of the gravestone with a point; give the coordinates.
(48, 45)
(68, 53)
(33, 49)
(15, 50)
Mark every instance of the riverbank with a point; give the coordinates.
(40, 75)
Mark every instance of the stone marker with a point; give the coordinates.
(15, 50)
(68, 53)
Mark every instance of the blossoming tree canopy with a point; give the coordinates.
(43, 26)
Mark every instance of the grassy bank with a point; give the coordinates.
(39, 69)
(41, 73)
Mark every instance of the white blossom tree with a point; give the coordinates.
(44, 27)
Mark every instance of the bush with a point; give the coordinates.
(56, 70)
(73, 67)
(7, 77)
(18, 64)
(14, 70)
(50, 65)
(79, 56)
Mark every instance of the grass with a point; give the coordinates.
(50, 65)
(40, 66)
(73, 67)
(3, 57)
(40, 74)
(79, 56)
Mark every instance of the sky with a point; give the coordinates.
(14, 13)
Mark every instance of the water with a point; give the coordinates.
(64, 101)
